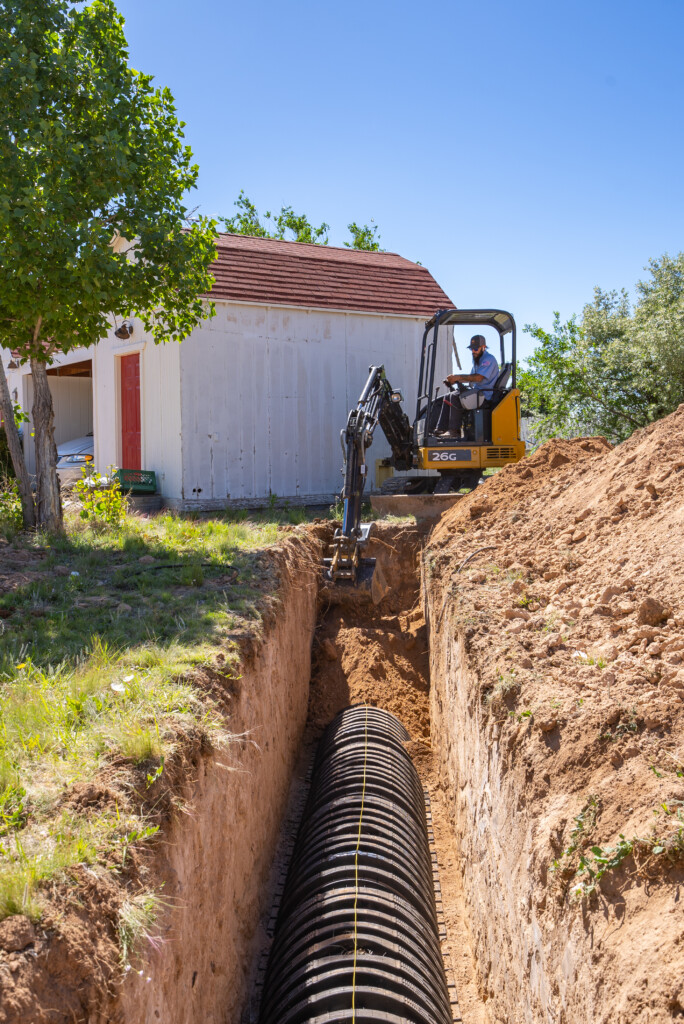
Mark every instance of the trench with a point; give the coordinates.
(376, 657)
(226, 866)
(515, 949)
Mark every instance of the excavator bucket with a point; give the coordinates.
(346, 572)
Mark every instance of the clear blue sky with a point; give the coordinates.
(524, 151)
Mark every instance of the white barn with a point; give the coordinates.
(251, 405)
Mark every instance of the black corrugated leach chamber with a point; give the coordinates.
(356, 937)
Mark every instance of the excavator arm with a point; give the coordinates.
(378, 404)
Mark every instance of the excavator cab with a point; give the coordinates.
(491, 434)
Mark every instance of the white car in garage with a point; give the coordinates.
(73, 457)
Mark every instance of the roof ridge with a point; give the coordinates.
(304, 274)
(345, 249)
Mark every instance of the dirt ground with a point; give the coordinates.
(564, 579)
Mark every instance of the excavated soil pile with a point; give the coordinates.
(570, 621)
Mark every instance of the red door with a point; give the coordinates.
(130, 412)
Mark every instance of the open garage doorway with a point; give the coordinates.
(71, 386)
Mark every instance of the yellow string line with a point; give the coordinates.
(356, 863)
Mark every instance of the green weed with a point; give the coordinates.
(507, 684)
(588, 864)
(583, 823)
(136, 835)
(594, 863)
(12, 809)
(520, 716)
(101, 497)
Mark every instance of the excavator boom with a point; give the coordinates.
(377, 404)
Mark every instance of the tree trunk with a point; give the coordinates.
(48, 503)
(28, 510)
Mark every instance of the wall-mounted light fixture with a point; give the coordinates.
(124, 331)
(13, 364)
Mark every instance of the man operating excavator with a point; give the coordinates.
(481, 378)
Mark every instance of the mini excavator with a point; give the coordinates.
(491, 436)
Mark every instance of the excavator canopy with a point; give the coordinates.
(499, 319)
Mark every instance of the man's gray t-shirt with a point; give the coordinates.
(487, 368)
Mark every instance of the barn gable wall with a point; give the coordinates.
(266, 391)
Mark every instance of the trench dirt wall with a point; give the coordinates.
(540, 953)
(213, 868)
(525, 970)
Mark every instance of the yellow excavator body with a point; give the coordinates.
(504, 447)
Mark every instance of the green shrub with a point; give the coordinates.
(10, 505)
(6, 467)
(101, 498)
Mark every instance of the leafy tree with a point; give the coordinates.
(300, 228)
(615, 370)
(292, 226)
(363, 237)
(91, 155)
(247, 222)
(659, 324)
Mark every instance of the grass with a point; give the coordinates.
(507, 684)
(99, 643)
(201, 574)
(136, 922)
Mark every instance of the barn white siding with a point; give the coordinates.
(249, 406)
(266, 391)
(159, 400)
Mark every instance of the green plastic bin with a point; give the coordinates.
(137, 481)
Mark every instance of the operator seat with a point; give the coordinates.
(478, 425)
(499, 386)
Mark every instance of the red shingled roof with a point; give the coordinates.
(279, 273)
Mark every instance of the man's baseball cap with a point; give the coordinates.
(477, 341)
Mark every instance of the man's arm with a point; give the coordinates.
(464, 378)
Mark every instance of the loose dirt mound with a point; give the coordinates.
(573, 622)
